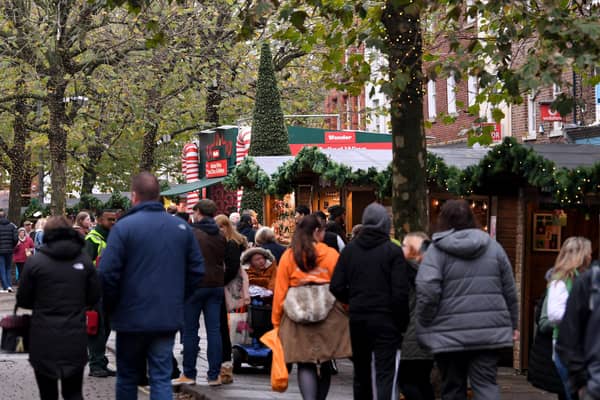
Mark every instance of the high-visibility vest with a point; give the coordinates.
(99, 241)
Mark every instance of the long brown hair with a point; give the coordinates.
(230, 232)
(303, 242)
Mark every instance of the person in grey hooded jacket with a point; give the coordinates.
(466, 304)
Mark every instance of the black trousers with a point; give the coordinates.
(71, 386)
(225, 340)
(375, 353)
(480, 366)
(415, 379)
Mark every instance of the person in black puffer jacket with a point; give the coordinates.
(58, 283)
(8, 240)
(371, 276)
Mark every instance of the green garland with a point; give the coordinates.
(568, 187)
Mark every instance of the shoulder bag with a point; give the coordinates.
(308, 303)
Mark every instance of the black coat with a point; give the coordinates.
(58, 283)
(8, 236)
(233, 252)
(275, 248)
(371, 277)
(578, 345)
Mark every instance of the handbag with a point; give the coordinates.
(308, 303)
(237, 293)
(91, 322)
(15, 332)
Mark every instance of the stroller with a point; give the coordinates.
(255, 353)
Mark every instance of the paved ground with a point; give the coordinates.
(18, 382)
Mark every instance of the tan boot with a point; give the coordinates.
(226, 374)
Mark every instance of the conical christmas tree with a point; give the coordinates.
(269, 135)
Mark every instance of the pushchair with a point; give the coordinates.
(255, 353)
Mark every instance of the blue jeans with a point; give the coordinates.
(5, 264)
(133, 349)
(207, 301)
(563, 372)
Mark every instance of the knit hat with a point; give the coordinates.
(377, 218)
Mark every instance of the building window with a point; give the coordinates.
(451, 94)
(376, 116)
(431, 110)
(531, 116)
(471, 90)
(556, 126)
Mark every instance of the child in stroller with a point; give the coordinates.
(261, 267)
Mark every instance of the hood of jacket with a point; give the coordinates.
(207, 225)
(247, 256)
(62, 243)
(466, 243)
(371, 237)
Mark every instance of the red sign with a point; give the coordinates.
(340, 137)
(497, 132)
(216, 169)
(548, 114)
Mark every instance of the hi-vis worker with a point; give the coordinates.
(98, 335)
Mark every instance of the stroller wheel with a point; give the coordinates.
(237, 358)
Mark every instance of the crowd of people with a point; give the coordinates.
(396, 309)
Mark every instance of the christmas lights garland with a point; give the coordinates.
(568, 187)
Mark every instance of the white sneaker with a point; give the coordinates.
(10, 290)
(3, 291)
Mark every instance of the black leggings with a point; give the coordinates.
(314, 383)
(70, 386)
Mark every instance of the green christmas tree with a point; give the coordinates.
(269, 135)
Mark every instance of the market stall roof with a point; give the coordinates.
(569, 155)
(189, 187)
(355, 158)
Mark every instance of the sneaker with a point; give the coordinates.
(110, 372)
(3, 291)
(10, 290)
(183, 380)
(214, 382)
(226, 375)
(99, 373)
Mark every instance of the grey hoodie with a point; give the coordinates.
(466, 295)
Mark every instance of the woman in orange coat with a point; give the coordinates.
(311, 346)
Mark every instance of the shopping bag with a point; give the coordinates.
(279, 371)
(15, 332)
(239, 328)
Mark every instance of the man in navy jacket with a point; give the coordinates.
(152, 262)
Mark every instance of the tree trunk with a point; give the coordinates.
(90, 173)
(213, 101)
(57, 138)
(149, 142)
(18, 160)
(409, 183)
(148, 147)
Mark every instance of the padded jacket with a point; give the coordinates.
(466, 295)
(152, 261)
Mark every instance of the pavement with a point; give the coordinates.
(18, 381)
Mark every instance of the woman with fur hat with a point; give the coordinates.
(260, 266)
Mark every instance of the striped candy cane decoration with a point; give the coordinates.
(191, 172)
(242, 145)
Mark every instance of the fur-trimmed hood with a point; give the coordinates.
(247, 255)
